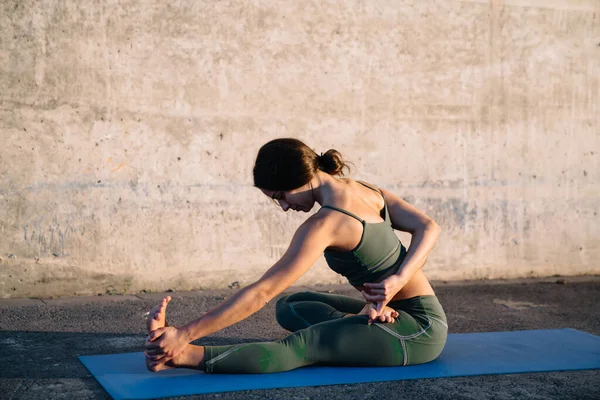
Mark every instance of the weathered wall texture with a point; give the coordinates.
(129, 129)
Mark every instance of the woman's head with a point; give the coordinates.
(285, 167)
(287, 163)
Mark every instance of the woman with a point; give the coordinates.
(400, 323)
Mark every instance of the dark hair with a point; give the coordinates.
(287, 163)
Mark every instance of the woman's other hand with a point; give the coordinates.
(163, 344)
(387, 315)
(382, 293)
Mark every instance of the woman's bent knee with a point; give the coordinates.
(282, 307)
(283, 312)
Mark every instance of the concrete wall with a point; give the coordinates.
(129, 129)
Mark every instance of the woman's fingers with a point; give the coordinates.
(374, 298)
(376, 291)
(384, 319)
(154, 357)
(372, 313)
(155, 334)
(374, 287)
(154, 352)
(153, 345)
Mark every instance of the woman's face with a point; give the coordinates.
(300, 199)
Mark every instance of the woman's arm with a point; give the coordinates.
(308, 243)
(423, 229)
(425, 233)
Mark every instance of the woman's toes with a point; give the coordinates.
(164, 303)
(156, 317)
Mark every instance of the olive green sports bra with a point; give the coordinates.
(376, 255)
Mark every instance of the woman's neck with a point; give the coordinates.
(325, 187)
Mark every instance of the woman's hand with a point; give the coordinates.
(388, 314)
(163, 344)
(381, 293)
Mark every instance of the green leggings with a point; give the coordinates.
(322, 336)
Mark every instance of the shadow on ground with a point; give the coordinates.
(52, 353)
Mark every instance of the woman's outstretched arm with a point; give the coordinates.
(308, 243)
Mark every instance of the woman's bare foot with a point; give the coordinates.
(157, 318)
(191, 357)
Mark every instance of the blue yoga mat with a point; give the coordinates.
(124, 376)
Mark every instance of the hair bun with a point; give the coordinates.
(331, 162)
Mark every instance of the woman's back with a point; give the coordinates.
(358, 212)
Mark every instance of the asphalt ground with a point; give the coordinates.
(40, 340)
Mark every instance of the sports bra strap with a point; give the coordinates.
(387, 214)
(371, 187)
(345, 212)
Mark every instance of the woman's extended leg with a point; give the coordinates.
(293, 313)
(345, 341)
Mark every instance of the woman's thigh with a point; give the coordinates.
(351, 341)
